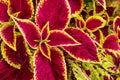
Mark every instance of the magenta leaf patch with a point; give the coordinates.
(45, 50)
(52, 70)
(23, 7)
(29, 30)
(57, 12)
(87, 51)
(8, 35)
(61, 38)
(4, 17)
(76, 6)
(8, 72)
(111, 42)
(93, 23)
(18, 57)
(116, 23)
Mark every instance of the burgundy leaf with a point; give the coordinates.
(24, 7)
(4, 17)
(18, 57)
(76, 6)
(8, 35)
(57, 12)
(93, 23)
(102, 3)
(45, 50)
(111, 10)
(61, 38)
(8, 72)
(111, 42)
(45, 31)
(29, 31)
(87, 51)
(50, 70)
(116, 23)
(80, 23)
(98, 9)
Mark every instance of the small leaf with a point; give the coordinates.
(45, 50)
(102, 3)
(111, 10)
(116, 23)
(61, 38)
(76, 6)
(7, 33)
(29, 31)
(111, 42)
(87, 51)
(50, 70)
(45, 31)
(24, 7)
(93, 23)
(57, 12)
(4, 17)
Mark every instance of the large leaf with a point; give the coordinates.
(8, 72)
(57, 12)
(50, 70)
(76, 6)
(61, 38)
(87, 51)
(7, 33)
(29, 31)
(93, 23)
(23, 7)
(4, 17)
(18, 57)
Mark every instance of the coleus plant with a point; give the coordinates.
(59, 40)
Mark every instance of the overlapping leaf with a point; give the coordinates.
(4, 17)
(52, 70)
(8, 72)
(18, 57)
(24, 8)
(29, 30)
(93, 23)
(102, 3)
(8, 35)
(116, 23)
(57, 12)
(76, 6)
(86, 51)
(61, 38)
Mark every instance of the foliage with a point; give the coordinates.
(60, 39)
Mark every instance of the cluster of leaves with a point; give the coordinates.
(59, 39)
